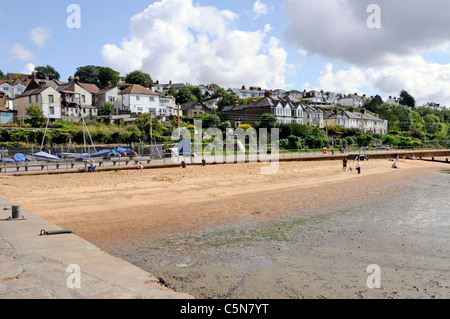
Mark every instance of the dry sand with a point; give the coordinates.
(143, 216)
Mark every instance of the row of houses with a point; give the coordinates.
(287, 109)
(73, 99)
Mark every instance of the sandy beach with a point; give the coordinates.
(214, 231)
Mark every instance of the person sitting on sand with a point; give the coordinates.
(395, 166)
(92, 166)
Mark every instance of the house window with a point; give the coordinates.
(51, 99)
(29, 99)
(83, 98)
(52, 110)
(138, 98)
(139, 109)
(112, 99)
(151, 98)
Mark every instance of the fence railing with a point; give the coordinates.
(233, 157)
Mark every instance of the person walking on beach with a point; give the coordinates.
(344, 164)
(141, 167)
(358, 166)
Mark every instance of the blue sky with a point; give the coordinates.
(290, 44)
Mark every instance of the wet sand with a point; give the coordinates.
(226, 231)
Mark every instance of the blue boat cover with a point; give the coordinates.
(20, 157)
(96, 154)
(45, 156)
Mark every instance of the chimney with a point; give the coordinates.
(42, 84)
(236, 103)
(70, 79)
(243, 87)
(336, 111)
(33, 76)
(77, 80)
(363, 111)
(352, 110)
(268, 93)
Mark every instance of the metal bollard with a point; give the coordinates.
(15, 210)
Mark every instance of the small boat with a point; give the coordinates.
(42, 156)
(95, 154)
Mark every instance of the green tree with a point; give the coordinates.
(43, 71)
(399, 117)
(373, 104)
(138, 77)
(432, 124)
(2, 76)
(418, 121)
(226, 100)
(211, 120)
(364, 140)
(267, 121)
(407, 99)
(88, 74)
(185, 95)
(98, 75)
(107, 109)
(36, 117)
(107, 77)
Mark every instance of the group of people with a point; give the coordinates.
(345, 164)
(90, 166)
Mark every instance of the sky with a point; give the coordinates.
(344, 46)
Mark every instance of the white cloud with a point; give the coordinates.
(40, 35)
(339, 30)
(426, 82)
(259, 9)
(21, 53)
(350, 81)
(28, 68)
(179, 41)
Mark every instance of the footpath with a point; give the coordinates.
(64, 266)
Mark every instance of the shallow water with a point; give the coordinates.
(323, 255)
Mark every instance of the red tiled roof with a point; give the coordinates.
(91, 88)
(137, 89)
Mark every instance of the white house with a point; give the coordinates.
(137, 99)
(357, 120)
(244, 93)
(11, 91)
(167, 107)
(392, 101)
(351, 100)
